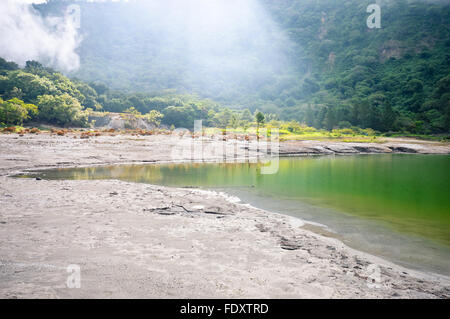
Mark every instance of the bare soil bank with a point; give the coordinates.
(142, 241)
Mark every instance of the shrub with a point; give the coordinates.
(345, 131)
(369, 132)
(16, 111)
(10, 129)
(62, 110)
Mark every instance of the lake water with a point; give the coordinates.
(395, 206)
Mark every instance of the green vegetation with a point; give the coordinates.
(40, 94)
(391, 79)
(36, 93)
(292, 131)
(15, 111)
(62, 110)
(394, 80)
(342, 74)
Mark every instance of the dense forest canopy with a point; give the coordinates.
(39, 93)
(313, 61)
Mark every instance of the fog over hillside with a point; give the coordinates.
(314, 61)
(187, 45)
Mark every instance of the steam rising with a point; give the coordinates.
(25, 35)
(212, 47)
(217, 47)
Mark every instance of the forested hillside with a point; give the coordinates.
(39, 93)
(392, 78)
(314, 61)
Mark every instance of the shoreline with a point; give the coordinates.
(407, 260)
(319, 228)
(87, 221)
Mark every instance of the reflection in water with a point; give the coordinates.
(406, 195)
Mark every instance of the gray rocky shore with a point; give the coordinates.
(144, 241)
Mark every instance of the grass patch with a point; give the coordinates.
(437, 138)
(305, 133)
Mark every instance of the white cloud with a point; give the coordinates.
(26, 36)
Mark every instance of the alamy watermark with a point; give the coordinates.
(73, 15)
(74, 278)
(374, 20)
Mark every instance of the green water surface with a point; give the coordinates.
(406, 195)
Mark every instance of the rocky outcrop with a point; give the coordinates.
(329, 148)
(402, 149)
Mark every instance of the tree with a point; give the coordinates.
(179, 116)
(447, 117)
(259, 117)
(330, 119)
(246, 116)
(413, 86)
(443, 86)
(15, 93)
(61, 109)
(132, 110)
(310, 86)
(223, 118)
(31, 85)
(9, 66)
(15, 111)
(154, 117)
(388, 117)
(90, 96)
(292, 126)
(99, 87)
(35, 67)
(309, 115)
(234, 121)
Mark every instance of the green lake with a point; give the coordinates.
(395, 206)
